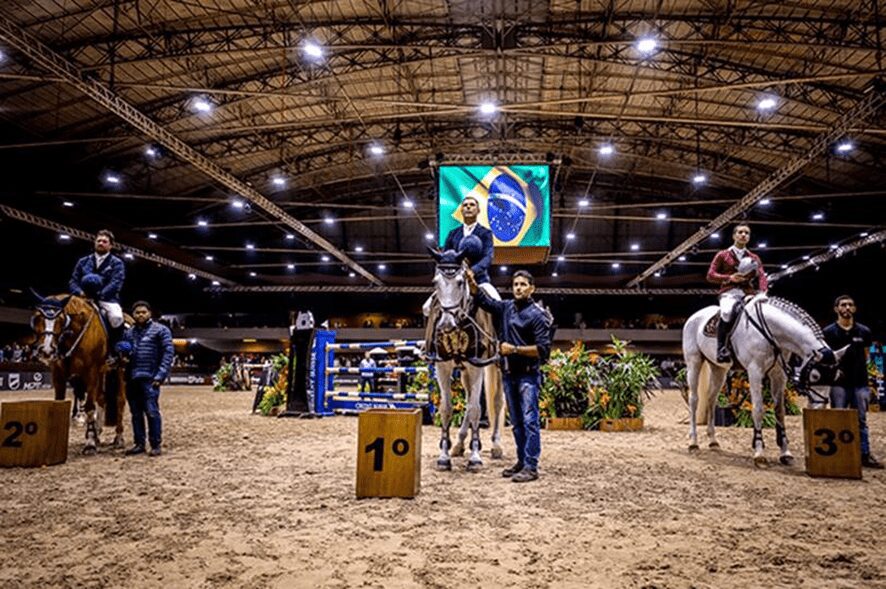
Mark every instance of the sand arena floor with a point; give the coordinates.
(247, 501)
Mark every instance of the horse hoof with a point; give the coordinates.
(89, 451)
(787, 459)
(444, 464)
(760, 462)
(693, 448)
(458, 450)
(474, 466)
(714, 445)
(497, 453)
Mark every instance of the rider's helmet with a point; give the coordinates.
(91, 285)
(472, 247)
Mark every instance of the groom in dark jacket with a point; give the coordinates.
(149, 345)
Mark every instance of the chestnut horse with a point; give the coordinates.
(73, 341)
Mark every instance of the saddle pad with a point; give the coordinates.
(710, 328)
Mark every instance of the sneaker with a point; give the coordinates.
(868, 461)
(525, 475)
(155, 451)
(135, 450)
(511, 471)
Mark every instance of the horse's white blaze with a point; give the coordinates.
(48, 334)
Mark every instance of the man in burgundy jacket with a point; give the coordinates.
(738, 272)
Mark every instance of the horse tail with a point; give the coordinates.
(703, 387)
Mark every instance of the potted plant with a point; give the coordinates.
(626, 379)
(735, 397)
(568, 380)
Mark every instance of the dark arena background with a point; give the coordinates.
(259, 159)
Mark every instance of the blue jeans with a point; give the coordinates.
(855, 398)
(521, 393)
(144, 401)
(366, 382)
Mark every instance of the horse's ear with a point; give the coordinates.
(36, 295)
(64, 301)
(435, 253)
(838, 354)
(460, 255)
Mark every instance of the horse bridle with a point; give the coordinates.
(801, 381)
(52, 313)
(461, 312)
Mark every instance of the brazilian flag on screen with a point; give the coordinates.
(514, 202)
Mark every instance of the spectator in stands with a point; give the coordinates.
(367, 379)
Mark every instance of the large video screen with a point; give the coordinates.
(514, 202)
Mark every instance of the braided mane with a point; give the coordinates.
(798, 313)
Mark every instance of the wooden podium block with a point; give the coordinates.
(833, 447)
(389, 453)
(34, 433)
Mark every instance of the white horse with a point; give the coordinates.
(766, 333)
(458, 337)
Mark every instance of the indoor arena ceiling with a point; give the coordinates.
(266, 144)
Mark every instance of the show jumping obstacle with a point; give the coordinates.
(328, 400)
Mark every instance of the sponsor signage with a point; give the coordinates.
(24, 381)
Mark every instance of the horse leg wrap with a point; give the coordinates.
(780, 437)
(758, 437)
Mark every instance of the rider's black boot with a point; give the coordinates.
(115, 334)
(723, 353)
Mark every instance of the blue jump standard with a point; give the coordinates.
(378, 370)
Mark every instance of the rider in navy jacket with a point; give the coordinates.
(480, 265)
(100, 276)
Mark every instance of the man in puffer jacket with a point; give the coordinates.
(149, 345)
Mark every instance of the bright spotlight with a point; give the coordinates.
(561, 258)
(112, 179)
(488, 108)
(313, 50)
(635, 247)
(64, 237)
(278, 181)
(765, 202)
(647, 45)
(152, 236)
(408, 204)
(766, 104)
(606, 150)
(237, 203)
(661, 216)
(382, 267)
(358, 249)
(584, 203)
(616, 265)
(570, 236)
(202, 223)
(376, 149)
(202, 105)
(845, 147)
(328, 220)
(699, 179)
(429, 236)
(192, 277)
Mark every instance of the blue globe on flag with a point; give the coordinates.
(506, 208)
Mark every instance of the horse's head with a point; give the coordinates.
(451, 287)
(49, 323)
(821, 369)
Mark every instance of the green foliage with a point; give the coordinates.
(626, 379)
(222, 378)
(568, 380)
(423, 382)
(736, 394)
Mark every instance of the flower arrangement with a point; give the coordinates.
(581, 383)
(275, 394)
(425, 382)
(568, 382)
(736, 395)
(622, 383)
(222, 379)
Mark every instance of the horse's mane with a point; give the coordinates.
(798, 313)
